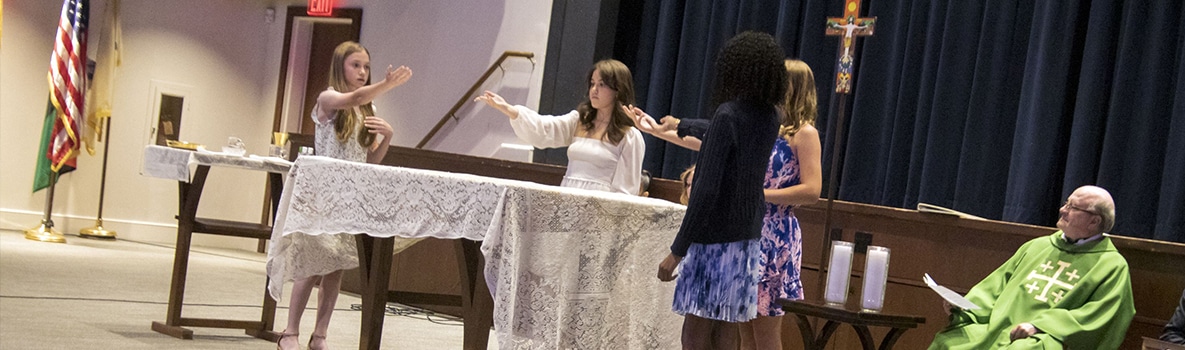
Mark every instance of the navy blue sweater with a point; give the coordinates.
(727, 196)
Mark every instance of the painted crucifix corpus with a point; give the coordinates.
(849, 26)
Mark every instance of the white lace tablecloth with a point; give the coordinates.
(569, 268)
(176, 164)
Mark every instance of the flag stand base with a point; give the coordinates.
(97, 232)
(45, 233)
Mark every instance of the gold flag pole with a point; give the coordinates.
(98, 231)
(45, 232)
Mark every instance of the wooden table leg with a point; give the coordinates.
(374, 262)
(476, 303)
(825, 334)
(891, 338)
(172, 325)
(267, 318)
(808, 332)
(189, 194)
(865, 336)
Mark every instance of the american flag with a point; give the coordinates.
(67, 82)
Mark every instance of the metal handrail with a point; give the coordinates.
(452, 112)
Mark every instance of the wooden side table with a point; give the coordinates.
(189, 223)
(860, 321)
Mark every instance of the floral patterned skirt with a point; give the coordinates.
(781, 260)
(719, 281)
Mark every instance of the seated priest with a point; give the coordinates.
(1070, 289)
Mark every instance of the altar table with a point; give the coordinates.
(567, 268)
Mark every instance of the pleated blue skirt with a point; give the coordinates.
(719, 281)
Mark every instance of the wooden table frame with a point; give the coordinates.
(860, 321)
(374, 264)
(190, 194)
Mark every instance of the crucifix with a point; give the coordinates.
(848, 27)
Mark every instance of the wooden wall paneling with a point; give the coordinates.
(957, 252)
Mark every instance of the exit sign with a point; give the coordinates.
(323, 8)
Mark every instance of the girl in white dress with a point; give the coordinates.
(604, 149)
(346, 129)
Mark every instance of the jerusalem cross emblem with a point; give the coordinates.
(1051, 281)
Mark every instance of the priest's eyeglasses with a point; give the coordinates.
(1067, 205)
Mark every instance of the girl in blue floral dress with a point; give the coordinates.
(794, 178)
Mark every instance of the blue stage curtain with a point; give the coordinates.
(995, 108)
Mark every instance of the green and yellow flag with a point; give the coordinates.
(108, 60)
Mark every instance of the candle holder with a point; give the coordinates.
(839, 271)
(876, 275)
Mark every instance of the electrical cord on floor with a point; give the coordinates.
(417, 313)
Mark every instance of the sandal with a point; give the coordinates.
(314, 337)
(281, 338)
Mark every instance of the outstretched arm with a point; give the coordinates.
(540, 131)
(499, 103)
(330, 100)
(665, 131)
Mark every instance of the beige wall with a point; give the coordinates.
(226, 56)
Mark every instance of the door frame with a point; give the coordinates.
(355, 17)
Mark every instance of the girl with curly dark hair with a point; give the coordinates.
(718, 247)
(792, 179)
(604, 149)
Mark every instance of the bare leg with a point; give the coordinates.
(767, 331)
(724, 335)
(326, 301)
(748, 337)
(301, 289)
(697, 333)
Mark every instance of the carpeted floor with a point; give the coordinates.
(105, 294)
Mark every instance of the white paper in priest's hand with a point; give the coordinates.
(951, 296)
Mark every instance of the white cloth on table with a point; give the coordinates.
(574, 269)
(569, 268)
(174, 164)
(592, 164)
(324, 197)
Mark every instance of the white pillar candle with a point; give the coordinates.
(876, 274)
(838, 272)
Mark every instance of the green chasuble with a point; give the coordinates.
(1076, 295)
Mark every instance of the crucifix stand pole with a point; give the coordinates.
(832, 178)
(848, 27)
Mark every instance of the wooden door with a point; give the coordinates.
(326, 37)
